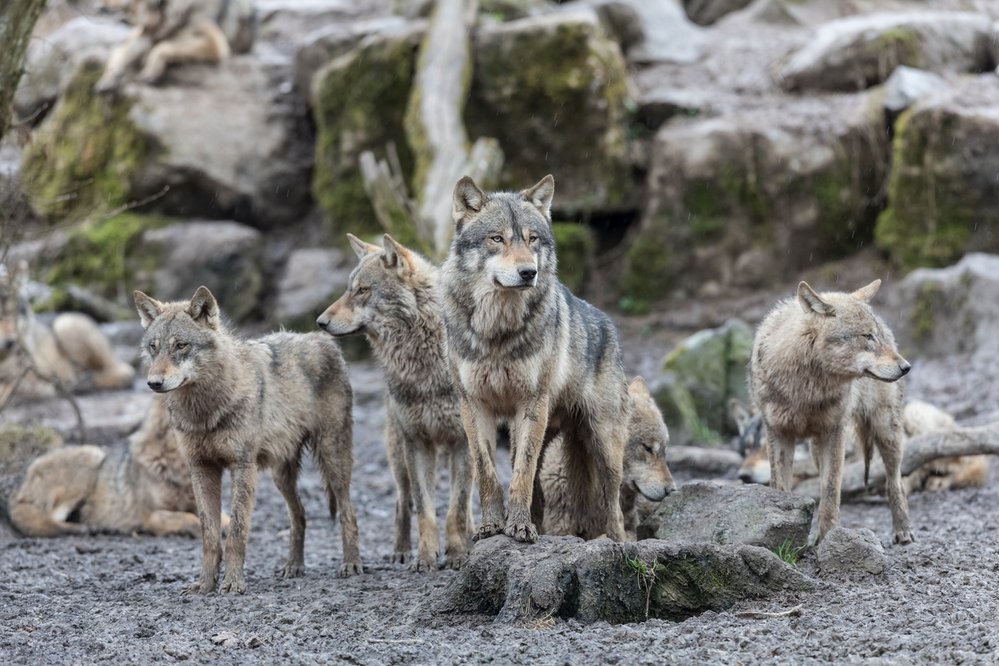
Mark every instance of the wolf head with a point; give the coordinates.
(849, 339)
(505, 236)
(181, 339)
(645, 467)
(389, 285)
(750, 444)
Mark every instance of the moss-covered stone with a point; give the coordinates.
(16, 22)
(553, 91)
(82, 159)
(359, 103)
(576, 246)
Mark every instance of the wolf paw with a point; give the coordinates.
(522, 532)
(350, 569)
(202, 587)
(424, 564)
(455, 560)
(487, 530)
(293, 570)
(400, 557)
(233, 582)
(903, 537)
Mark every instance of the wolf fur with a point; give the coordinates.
(818, 362)
(392, 298)
(524, 350)
(167, 32)
(34, 357)
(80, 489)
(246, 405)
(645, 475)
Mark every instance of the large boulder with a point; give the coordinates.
(860, 51)
(212, 141)
(540, 86)
(746, 198)
(845, 550)
(590, 581)
(942, 195)
(312, 279)
(728, 513)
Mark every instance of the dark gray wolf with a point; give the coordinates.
(524, 350)
(392, 298)
(245, 405)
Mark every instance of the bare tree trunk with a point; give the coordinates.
(17, 20)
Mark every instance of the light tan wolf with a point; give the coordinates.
(72, 353)
(82, 489)
(245, 405)
(524, 350)
(392, 298)
(646, 474)
(176, 31)
(819, 362)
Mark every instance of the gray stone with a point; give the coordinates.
(706, 12)
(724, 513)
(312, 279)
(845, 550)
(667, 35)
(599, 580)
(907, 85)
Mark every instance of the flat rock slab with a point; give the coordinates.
(722, 513)
(590, 581)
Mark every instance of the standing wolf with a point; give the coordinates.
(524, 350)
(392, 298)
(245, 405)
(818, 362)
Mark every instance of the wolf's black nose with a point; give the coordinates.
(322, 323)
(527, 273)
(905, 366)
(746, 478)
(155, 384)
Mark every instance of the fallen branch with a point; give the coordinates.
(763, 615)
(712, 461)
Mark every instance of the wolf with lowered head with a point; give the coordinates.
(523, 350)
(246, 405)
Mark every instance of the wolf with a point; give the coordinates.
(36, 359)
(819, 362)
(752, 446)
(523, 350)
(246, 405)
(82, 489)
(175, 31)
(645, 473)
(392, 299)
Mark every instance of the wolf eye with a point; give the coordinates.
(181, 346)
(153, 345)
(361, 290)
(532, 238)
(496, 239)
(869, 336)
(648, 448)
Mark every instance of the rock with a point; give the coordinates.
(510, 10)
(577, 246)
(746, 198)
(942, 199)
(667, 35)
(728, 513)
(860, 51)
(542, 83)
(706, 12)
(591, 581)
(313, 278)
(702, 373)
(50, 62)
(908, 85)
(845, 550)
(212, 141)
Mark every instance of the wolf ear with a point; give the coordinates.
(740, 414)
(865, 294)
(149, 308)
(396, 255)
(203, 308)
(812, 302)
(362, 249)
(638, 387)
(541, 195)
(467, 199)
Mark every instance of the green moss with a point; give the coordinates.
(576, 245)
(897, 46)
(85, 154)
(650, 268)
(924, 310)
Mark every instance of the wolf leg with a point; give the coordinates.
(169, 523)
(123, 57)
(890, 447)
(335, 456)
(206, 43)
(244, 491)
(829, 448)
(421, 459)
(607, 452)
(781, 452)
(528, 431)
(480, 428)
(458, 528)
(286, 480)
(85, 346)
(403, 494)
(206, 481)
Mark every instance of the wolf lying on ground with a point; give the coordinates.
(175, 31)
(817, 362)
(392, 298)
(645, 471)
(82, 489)
(245, 405)
(524, 350)
(33, 357)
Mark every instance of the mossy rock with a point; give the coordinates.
(576, 245)
(359, 104)
(553, 90)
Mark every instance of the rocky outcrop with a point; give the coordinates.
(724, 513)
(590, 581)
(845, 550)
(312, 279)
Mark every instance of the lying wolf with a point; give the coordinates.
(524, 350)
(34, 358)
(82, 489)
(392, 298)
(645, 471)
(819, 362)
(176, 31)
(245, 405)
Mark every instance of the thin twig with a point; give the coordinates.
(414, 641)
(764, 615)
(136, 204)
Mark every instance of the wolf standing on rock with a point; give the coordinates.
(817, 361)
(524, 350)
(245, 405)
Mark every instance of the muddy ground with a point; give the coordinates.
(121, 598)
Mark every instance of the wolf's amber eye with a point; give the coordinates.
(496, 239)
(360, 290)
(532, 238)
(869, 336)
(181, 346)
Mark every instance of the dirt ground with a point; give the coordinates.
(121, 598)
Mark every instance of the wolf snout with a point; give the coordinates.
(155, 384)
(527, 273)
(904, 367)
(323, 322)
